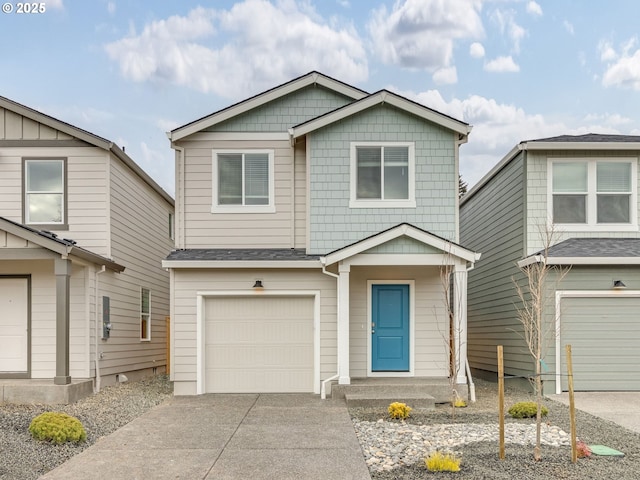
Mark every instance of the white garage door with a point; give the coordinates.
(14, 333)
(604, 334)
(258, 344)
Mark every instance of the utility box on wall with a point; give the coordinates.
(106, 317)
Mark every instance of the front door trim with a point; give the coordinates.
(412, 323)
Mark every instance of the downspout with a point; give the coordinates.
(323, 388)
(97, 343)
(472, 386)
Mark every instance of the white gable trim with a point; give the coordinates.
(396, 232)
(260, 99)
(378, 99)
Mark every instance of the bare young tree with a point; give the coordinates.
(540, 278)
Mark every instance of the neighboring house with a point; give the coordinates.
(313, 222)
(586, 188)
(83, 231)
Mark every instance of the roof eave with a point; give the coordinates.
(535, 145)
(241, 264)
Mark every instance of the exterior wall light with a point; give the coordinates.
(258, 284)
(618, 285)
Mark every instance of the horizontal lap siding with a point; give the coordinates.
(204, 229)
(140, 240)
(492, 222)
(188, 282)
(431, 319)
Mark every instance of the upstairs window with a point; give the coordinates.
(594, 193)
(382, 175)
(243, 181)
(44, 192)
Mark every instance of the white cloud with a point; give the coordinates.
(568, 26)
(111, 8)
(55, 4)
(476, 50)
(445, 76)
(420, 34)
(607, 119)
(534, 8)
(267, 44)
(623, 66)
(502, 65)
(506, 21)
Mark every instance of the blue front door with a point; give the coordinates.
(390, 328)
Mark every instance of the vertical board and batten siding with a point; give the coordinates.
(333, 224)
(16, 127)
(43, 317)
(283, 113)
(139, 241)
(430, 323)
(538, 188)
(492, 221)
(187, 282)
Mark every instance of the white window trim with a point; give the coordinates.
(372, 203)
(215, 208)
(27, 193)
(592, 225)
(148, 339)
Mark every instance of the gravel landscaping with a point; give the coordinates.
(470, 432)
(22, 458)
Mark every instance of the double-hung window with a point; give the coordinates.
(382, 175)
(44, 192)
(593, 193)
(243, 181)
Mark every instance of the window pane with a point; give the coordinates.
(229, 179)
(256, 179)
(144, 301)
(44, 208)
(614, 208)
(570, 209)
(44, 175)
(613, 177)
(369, 167)
(396, 173)
(569, 177)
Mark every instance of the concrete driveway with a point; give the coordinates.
(618, 407)
(219, 437)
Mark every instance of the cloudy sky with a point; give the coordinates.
(514, 69)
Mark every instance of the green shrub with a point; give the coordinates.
(527, 410)
(57, 428)
(439, 462)
(399, 410)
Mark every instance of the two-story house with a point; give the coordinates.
(314, 222)
(83, 231)
(584, 189)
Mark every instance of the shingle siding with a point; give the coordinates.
(333, 224)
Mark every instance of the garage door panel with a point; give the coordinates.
(259, 344)
(604, 333)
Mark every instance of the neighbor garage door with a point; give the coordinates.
(259, 344)
(604, 333)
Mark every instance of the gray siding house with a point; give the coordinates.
(313, 223)
(83, 231)
(585, 189)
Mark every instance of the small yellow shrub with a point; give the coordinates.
(459, 403)
(57, 428)
(399, 410)
(527, 410)
(439, 462)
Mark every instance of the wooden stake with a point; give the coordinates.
(501, 399)
(572, 406)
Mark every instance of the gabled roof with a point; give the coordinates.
(62, 246)
(379, 98)
(589, 251)
(311, 78)
(589, 141)
(85, 136)
(403, 229)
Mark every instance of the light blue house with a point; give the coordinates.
(585, 189)
(316, 228)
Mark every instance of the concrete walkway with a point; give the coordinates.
(228, 437)
(617, 407)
